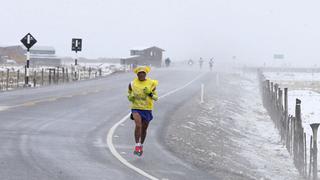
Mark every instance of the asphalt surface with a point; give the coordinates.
(59, 132)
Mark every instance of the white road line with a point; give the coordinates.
(115, 126)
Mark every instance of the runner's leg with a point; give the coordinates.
(144, 131)
(138, 128)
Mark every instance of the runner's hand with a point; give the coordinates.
(147, 91)
(154, 97)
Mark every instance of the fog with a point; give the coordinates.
(251, 31)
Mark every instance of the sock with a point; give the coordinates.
(138, 144)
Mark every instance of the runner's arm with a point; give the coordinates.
(154, 94)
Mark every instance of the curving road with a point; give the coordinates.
(60, 132)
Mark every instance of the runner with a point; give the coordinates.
(211, 64)
(141, 93)
(200, 62)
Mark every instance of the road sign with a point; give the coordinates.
(278, 56)
(76, 44)
(28, 41)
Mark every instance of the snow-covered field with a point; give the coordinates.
(292, 76)
(295, 81)
(301, 86)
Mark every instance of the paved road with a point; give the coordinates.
(59, 132)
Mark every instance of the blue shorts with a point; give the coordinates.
(146, 115)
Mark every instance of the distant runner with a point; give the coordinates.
(190, 62)
(141, 93)
(211, 64)
(200, 62)
(167, 62)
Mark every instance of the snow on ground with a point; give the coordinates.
(231, 135)
(310, 106)
(310, 97)
(310, 111)
(80, 65)
(303, 86)
(262, 145)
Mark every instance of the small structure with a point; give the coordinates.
(2, 60)
(151, 56)
(43, 56)
(39, 55)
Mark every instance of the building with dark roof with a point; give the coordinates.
(151, 56)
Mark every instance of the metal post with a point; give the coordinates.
(75, 66)
(314, 127)
(27, 69)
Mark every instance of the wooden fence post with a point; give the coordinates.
(42, 74)
(49, 76)
(63, 75)
(58, 69)
(305, 154)
(286, 119)
(18, 78)
(34, 78)
(314, 127)
(7, 80)
(310, 162)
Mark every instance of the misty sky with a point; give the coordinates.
(251, 30)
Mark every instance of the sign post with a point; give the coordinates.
(76, 46)
(28, 41)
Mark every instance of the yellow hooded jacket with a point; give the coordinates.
(141, 100)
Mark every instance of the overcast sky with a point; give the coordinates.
(251, 30)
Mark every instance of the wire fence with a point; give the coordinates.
(292, 133)
(14, 78)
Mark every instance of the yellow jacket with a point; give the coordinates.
(142, 100)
